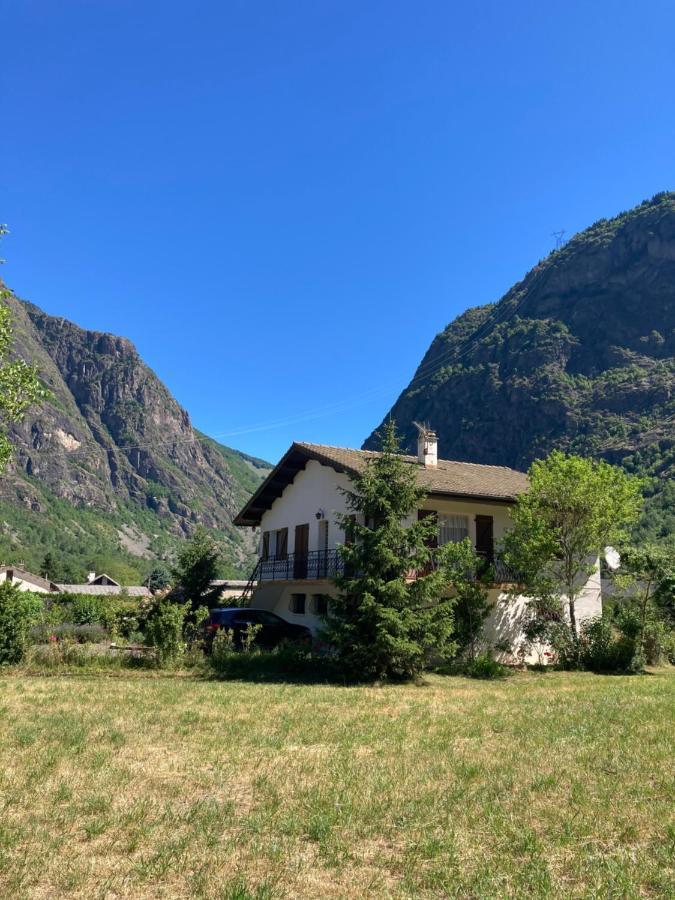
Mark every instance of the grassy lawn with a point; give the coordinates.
(140, 786)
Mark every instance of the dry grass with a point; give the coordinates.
(136, 786)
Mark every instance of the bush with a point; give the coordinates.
(68, 631)
(164, 630)
(86, 609)
(19, 611)
(285, 661)
(122, 617)
(604, 648)
(485, 666)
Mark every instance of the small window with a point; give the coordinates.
(320, 604)
(298, 604)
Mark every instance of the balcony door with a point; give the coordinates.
(485, 538)
(301, 551)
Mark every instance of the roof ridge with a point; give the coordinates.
(460, 462)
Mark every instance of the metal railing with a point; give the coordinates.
(318, 564)
(311, 566)
(493, 569)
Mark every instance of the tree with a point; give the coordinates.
(20, 385)
(573, 509)
(196, 567)
(158, 578)
(643, 581)
(394, 607)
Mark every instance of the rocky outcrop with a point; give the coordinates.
(111, 436)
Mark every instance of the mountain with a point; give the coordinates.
(109, 473)
(579, 355)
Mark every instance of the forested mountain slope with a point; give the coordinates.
(579, 355)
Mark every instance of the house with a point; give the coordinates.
(296, 509)
(229, 589)
(103, 585)
(26, 581)
(96, 585)
(102, 580)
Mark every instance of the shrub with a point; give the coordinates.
(86, 609)
(19, 611)
(164, 630)
(486, 666)
(285, 661)
(604, 648)
(121, 616)
(78, 634)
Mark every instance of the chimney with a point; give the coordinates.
(427, 447)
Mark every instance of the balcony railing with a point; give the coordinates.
(310, 566)
(318, 564)
(493, 569)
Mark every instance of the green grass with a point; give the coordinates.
(142, 785)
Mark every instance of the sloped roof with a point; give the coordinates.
(104, 589)
(105, 580)
(449, 478)
(29, 578)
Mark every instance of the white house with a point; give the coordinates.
(297, 505)
(26, 581)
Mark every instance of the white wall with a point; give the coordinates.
(23, 585)
(314, 488)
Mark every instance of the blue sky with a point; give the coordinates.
(282, 203)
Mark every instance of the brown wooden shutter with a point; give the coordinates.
(282, 543)
(266, 545)
(300, 551)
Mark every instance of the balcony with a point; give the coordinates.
(324, 564)
(312, 566)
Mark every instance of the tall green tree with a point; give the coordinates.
(394, 608)
(645, 575)
(20, 385)
(574, 507)
(196, 567)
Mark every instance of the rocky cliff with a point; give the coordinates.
(113, 443)
(579, 355)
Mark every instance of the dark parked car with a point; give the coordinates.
(273, 629)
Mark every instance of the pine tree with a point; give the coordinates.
(394, 610)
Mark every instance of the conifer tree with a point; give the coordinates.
(394, 610)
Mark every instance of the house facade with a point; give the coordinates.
(26, 581)
(297, 509)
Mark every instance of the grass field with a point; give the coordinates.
(136, 785)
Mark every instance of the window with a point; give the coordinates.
(452, 528)
(267, 618)
(266, 544)
(320, 604)
(298, 604)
